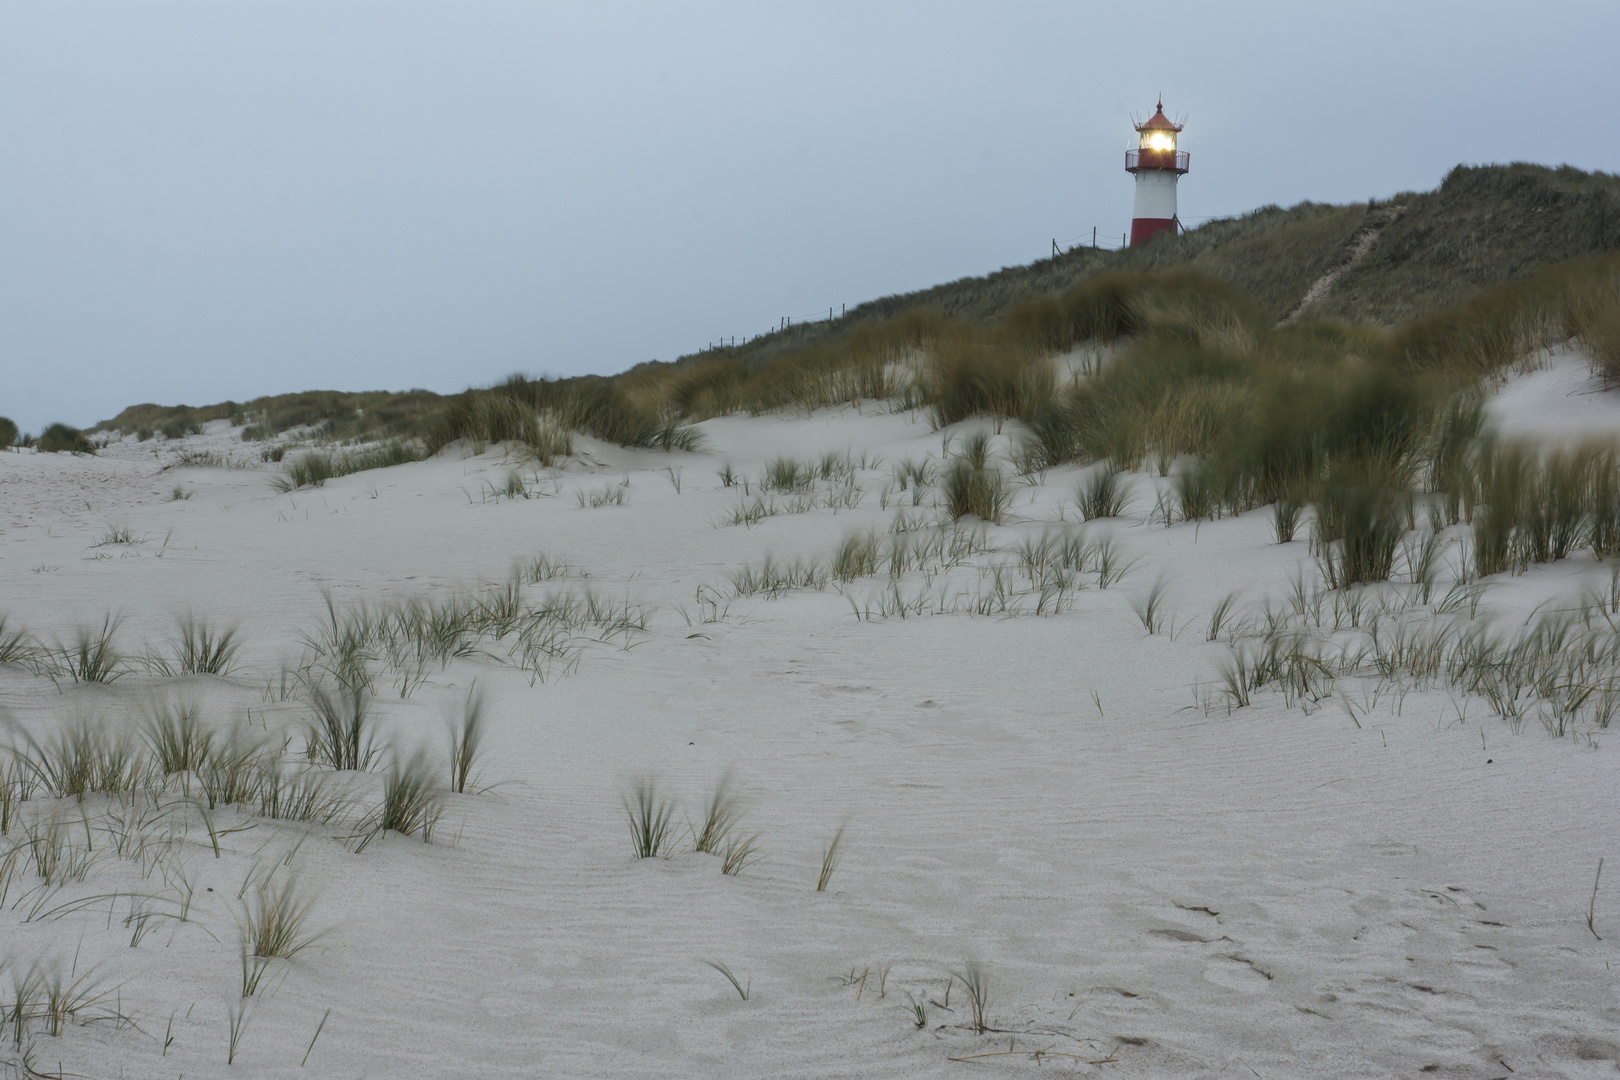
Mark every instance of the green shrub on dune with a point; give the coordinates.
(60, 438)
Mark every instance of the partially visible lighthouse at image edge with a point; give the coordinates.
(1157, 165)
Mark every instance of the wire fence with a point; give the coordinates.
(1097, 240)
(784, 324)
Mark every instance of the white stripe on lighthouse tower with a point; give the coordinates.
(1156, 194)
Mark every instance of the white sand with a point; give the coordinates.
(1190, 893)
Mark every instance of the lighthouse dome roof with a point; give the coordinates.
(1159, 122)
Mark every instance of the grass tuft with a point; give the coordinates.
(977, 491)
(652, 820)
(1150, 609)
(412, 802)
(203, 650)
(178, 739)
(313, 468)
(465, 739)
(977, 984)
(274, 922)
(739, 854)
(339, 734)
(720, 816)
(84, 757)
(16, 646)
(91, 657)
(1103, 494)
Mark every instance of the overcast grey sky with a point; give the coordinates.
(221, 199)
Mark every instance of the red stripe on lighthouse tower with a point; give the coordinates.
(1157, 165)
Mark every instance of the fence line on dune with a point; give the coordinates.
(1097, 241)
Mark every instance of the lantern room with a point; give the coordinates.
(1157, 165)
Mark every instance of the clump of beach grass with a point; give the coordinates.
(16, 646)
(651, 818)
(858, 556)
(720, 815)
(84, 756)
(203, 649)
(339, 734)
(275, 924)
(1360, 520)
(1221, 616)
(91, 657)
(979, 491)
(738, 854)
(608, 495)
(1102, 494)
(1150, 609)
(119, 535)
(774, 577)
(179, 740)
(314, 468)
(976, 983)
(412, 801)
(62, 439)
(298, 794)
(53, 993)
(466, 738)
(1285, 515)
(231, 771)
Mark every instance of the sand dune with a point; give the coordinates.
(1389, 881)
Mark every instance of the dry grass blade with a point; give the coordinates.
(1591, 907)
(742, 991)
(830, 856)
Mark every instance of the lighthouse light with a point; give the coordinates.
(1159, 140)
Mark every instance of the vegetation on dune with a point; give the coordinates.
(539, 413)
(8, 433)
(1483, 227)
(312, 468)
(60, 438)
(1486, 226)
(1168, 355)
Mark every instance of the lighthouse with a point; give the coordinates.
(1157, 165)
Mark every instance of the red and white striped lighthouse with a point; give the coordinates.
(1157, 165)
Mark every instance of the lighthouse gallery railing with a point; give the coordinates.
(1156, 159)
